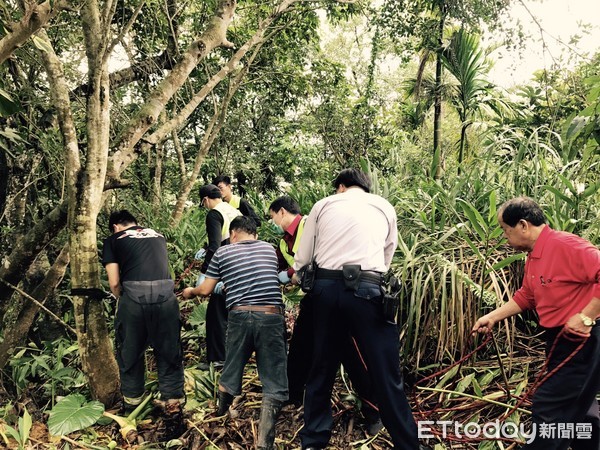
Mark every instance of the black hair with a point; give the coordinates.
(243, 223)
(221, 179)
(521, 208)
(122, 217)
(286, 202)
(210, 191)
(353, 177)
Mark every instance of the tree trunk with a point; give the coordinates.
(27, 249)
(85, 190)
(34, 17)
(436, 167)
(213, 36)
(16, 332)
(212, 131)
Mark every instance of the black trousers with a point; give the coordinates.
(300, 357)
(216, 328)
(568, 398)
(337, 314)
(151, 321)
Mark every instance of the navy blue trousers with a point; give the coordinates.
(300, 358)
(568, 398)
(338, 313)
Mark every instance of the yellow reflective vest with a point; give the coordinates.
(235, 201)
(229, 213)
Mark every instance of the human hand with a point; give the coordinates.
(200, 279)
(200, 254)
(295, 279)
(483, 325)
(219, 288)
(188, 292)
(283, 277)
(576, 328)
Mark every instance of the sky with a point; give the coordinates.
(560, 20)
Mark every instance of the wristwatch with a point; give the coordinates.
(587, 321)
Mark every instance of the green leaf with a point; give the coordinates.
(507, 261)
(560, 195)
(7, 105)
(25, 426)
(72, 413)
(568, 183)
(42, 44)
(493, 212)
(591, 190)
(475, 219)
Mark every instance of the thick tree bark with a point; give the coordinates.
(34, 18)
(85, 199)
(26, 250)
(16, 332)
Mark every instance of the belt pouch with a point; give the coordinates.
(351, 273)
(308, 275)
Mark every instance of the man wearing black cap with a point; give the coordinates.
(218, 218)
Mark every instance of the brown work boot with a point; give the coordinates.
(173, 419)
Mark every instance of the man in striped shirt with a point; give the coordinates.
(248, 269)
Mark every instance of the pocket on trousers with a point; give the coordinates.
(368, 291)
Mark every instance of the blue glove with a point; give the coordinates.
(283, 277)
(219, 288)
(200, 254)
(200, 279)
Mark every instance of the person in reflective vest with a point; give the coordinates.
(218, 218)
(289, 223)
(223, 182)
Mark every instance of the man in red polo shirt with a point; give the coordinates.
(562, 283)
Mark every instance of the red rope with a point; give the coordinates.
(541, 378)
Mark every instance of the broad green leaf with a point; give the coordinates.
(42, 44)
(465, 383)
(447, 376)
(72, 413)
(568, 184)
(476, 388)
(25, 426)
(591, 190)
(475, 219)
(560, 195)
(7, 105)
(507, 261)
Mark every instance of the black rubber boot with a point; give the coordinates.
(266, 428)
(225, 401)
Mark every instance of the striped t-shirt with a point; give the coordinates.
(249, 271)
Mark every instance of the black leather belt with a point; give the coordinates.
(365, 275)
(267, 309)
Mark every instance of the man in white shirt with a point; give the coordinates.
(352, 236)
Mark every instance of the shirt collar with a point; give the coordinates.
(538, 247)
(294, 225)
